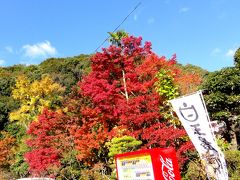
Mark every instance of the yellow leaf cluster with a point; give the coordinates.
(33, 97)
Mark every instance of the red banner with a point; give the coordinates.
(150, 164)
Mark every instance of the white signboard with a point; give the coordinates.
(192, 112)
(137, 167)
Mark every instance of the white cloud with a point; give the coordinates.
(151, 20)
(184, 9)
(9, 49)
(215, 51)
(231, 52)
(42, 49)
(2, 62)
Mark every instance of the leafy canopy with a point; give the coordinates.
(33, 97)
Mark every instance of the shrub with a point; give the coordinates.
(233, 163)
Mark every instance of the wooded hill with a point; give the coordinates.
(67, 117)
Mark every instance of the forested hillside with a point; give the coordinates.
(66, 118)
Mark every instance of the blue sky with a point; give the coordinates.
(204, 33)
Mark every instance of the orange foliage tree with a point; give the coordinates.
(6, 145)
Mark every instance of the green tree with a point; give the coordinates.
(119, 145)
(237, 58)
(116, 37)
(7, 103)
(165, 85)
(7, 82)
(233, 163)
(222, 99)
(189, 68)
(66, 71)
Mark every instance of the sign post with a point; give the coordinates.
(192, 112)
(149, 164)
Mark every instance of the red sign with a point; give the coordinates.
(150, 164)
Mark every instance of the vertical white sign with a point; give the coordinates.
(192, 112)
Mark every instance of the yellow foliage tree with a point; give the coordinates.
(33, 97)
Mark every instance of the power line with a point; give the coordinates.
(119, 25)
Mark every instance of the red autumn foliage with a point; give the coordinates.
(49, 139)
(188, 82)
(90, 136)
(42, 161)
(48, 131)
(122, 93)
(117, 97)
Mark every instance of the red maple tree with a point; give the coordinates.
(49, 138)
(117, 96)
(122, 93)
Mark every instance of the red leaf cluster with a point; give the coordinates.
(49, 139)
(118, 97)
(121, 89)
(49, 131)
(42, 160)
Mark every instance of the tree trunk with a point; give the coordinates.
(233, 137)
(125, 85)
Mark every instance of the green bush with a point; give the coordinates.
(233, 163)
(195, 171)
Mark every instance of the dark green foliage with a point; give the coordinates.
(189, 68)
(33, 72)
(15, 130)
(223, 97)
(195, 171)
(226, 80)
(233, 163)
(237, 58)
(12, 72)
(19, 166)
(6, 82)
(70, 168)
(66, 71)
(15, 69)
(7, 104)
